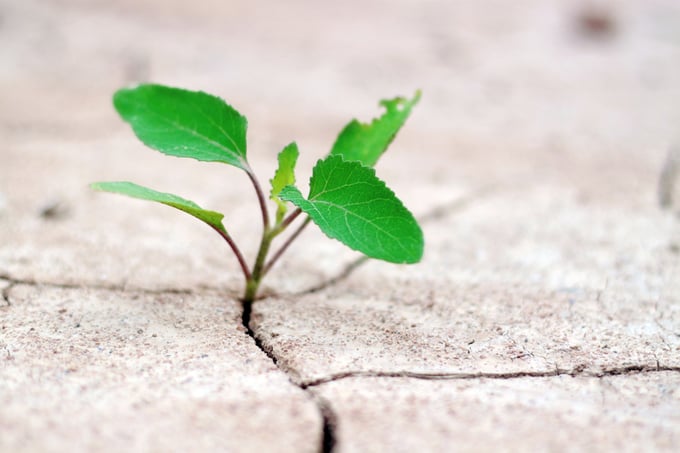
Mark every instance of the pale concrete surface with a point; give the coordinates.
(535, 157)
(96, 370)
(615, 413)
(561, 283)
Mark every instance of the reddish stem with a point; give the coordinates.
(235, 249)
(260, 198)
(285, 245)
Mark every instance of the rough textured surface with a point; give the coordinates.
(93, 370)
(615, 413)
(539, 159)
(559, 284)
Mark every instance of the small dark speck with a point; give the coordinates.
(54, 210)
(471, 341)
(596, 23)
(140, 331)
(77, 325)
(580, 367)
(204, 356)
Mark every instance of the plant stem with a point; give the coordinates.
(253, 279)
(260, 198)
(253, 283)
(237, 252)
(288, 220)
(285, 245)
(261, 267)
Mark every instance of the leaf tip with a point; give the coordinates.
(98, 186)
(401, 103)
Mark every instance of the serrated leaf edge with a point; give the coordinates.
(372, 171)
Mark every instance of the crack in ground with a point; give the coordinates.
(575, 372)
(5, 293)
(330, 424)
(328, 417)
(120, 288)
(434, 214)
(342, 275)
(245, 319)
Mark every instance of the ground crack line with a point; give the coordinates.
(5, 294)
(328, 417)
(434, 214)
(31, 282)
(575, 372)
(103, 287)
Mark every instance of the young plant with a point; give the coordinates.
(346, 199)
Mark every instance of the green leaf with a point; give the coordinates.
(212, 218)
(349, 203)
(366, 142)
(284, 176)
(185, 123)
(285, 173)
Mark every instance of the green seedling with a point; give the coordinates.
(346, 199)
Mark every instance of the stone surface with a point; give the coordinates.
(560, 283)
(536, 159)
(94, 370)
(615, 413)
(97, 239)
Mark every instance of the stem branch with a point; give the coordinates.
(237, 252)
(288, 220)
(285, 245)
(260, 267)
(260, 198)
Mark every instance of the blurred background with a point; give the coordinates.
(584, 94)
(551, 74)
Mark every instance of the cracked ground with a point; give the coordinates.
(542, 162)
